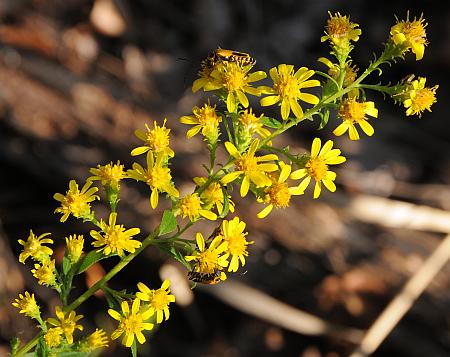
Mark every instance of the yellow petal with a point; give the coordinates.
(270, 100)
(285, 109)
(296, 109)
(341, 129)
(309, 98)
(366, 127)
(317, 189)
(232, 150)
(230, 177)
(244, 187)
(200, 242)
(315, 148)
(242, 98)
(265, 211)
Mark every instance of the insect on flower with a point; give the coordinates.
(223, 55)
(205, 278)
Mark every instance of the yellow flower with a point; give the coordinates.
(352, 113)
(287, 89)
(156, 176)
(410, 35)
(250, 124)
(204, 119)
(205, 80)
(333, 70)
(159, 299)
(114, 238)
(419, 98)
(109, 175)
(340, 31)
(233, 233)
(96, 339)
(191, 206)
(132, 323)
(53, 337)
(67, 324)
(156, 140)
(235, 79)
(76, 202)
(249, 166)
(74, 247)
(317, 167)
(45, 273)
(278, 194)
(27, 305)
(33, 248)
(213, 195)
(211, 259)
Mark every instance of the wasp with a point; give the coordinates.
(205, 278)
(223, 55)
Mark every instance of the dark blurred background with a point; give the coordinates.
(77, 77)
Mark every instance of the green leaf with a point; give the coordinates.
(14, 343)
(66, 265)
(270, 122)
(134, 348)
(325, 117)
(226, 202)
(168, 223)
(90, 259)
(74, 354)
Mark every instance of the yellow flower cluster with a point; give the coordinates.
(144, 306)
(227, 247)
(254, 166)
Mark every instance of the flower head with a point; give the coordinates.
(205, 120)
(253, 168)
(27, 305)
(248, 125)
(233, 233)
(278, 194)
(410, 35)
(74, 245)
(213, 195)
(191, 206)
(76, 202)
(317, 167)
(132, 323)
(45, 273)
(287, 89)
(68, 323)
(205, 80)
(157, 176)
(97, 339)
(53, 337)
(209, 260)
(156, 140)
(158, 299)
(340, 31)
(109, 175)
(419, 98)
(353, 112)
(351, 71)
(33, 248)
(236, 80)
(113, 238)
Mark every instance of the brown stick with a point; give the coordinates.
(400, 305)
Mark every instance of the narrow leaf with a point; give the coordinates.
(168, 223)
(90, 259)
(270, 122)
